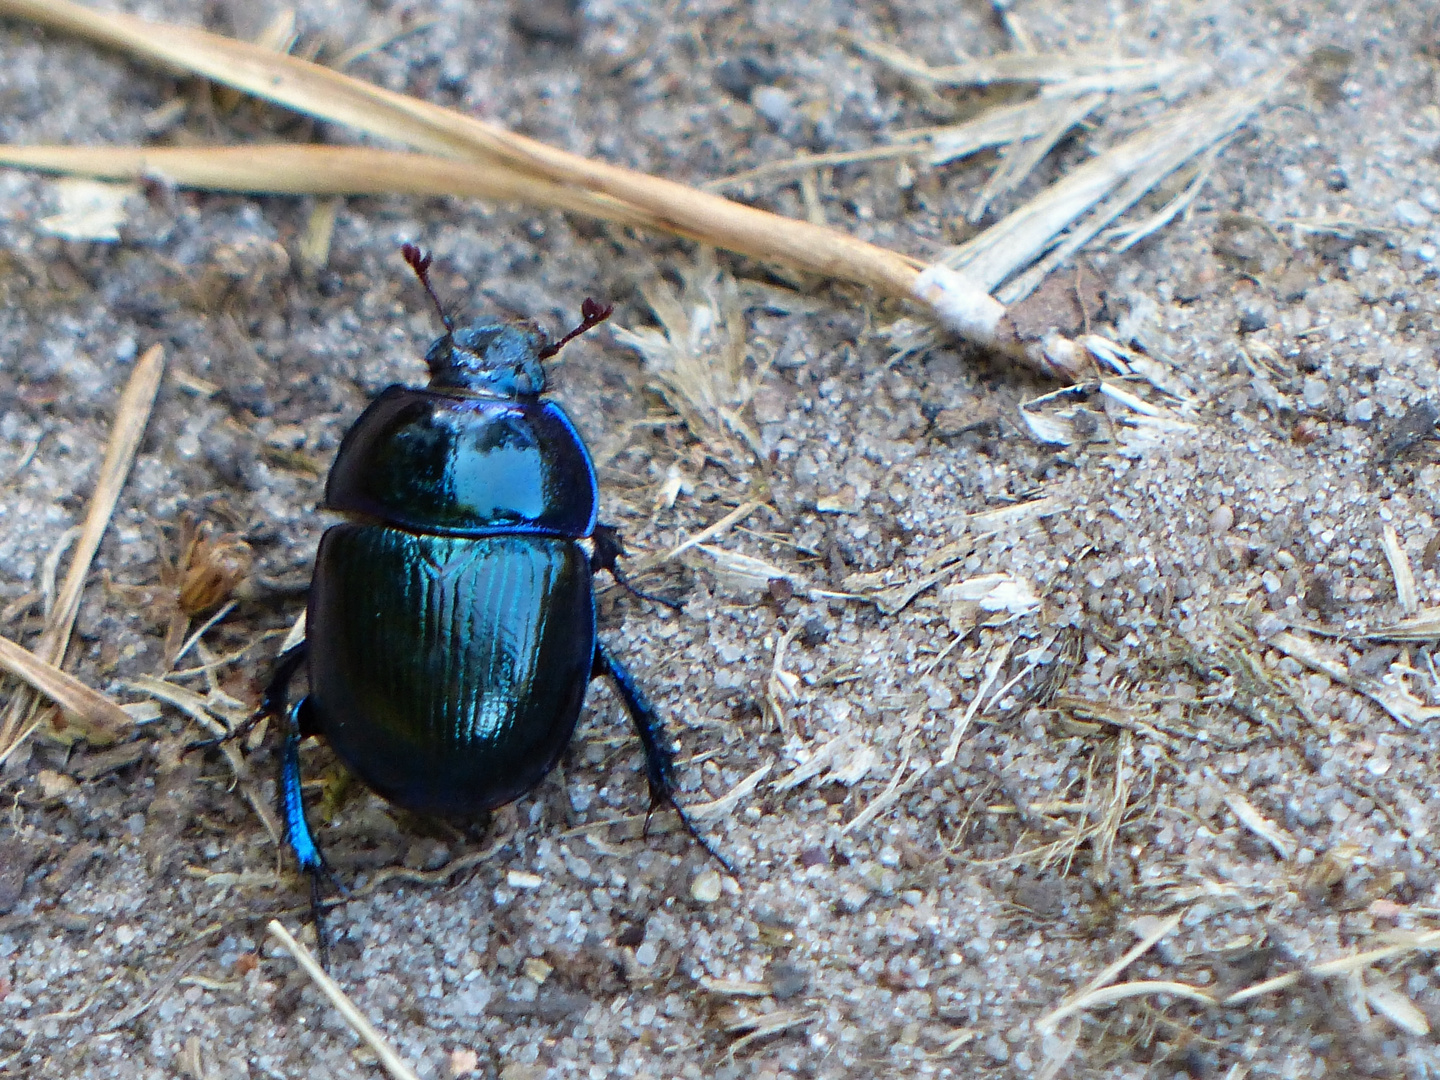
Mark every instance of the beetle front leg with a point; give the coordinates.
(297, 829)
(659, 759)
(608, 550)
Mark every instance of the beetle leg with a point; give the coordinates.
(277, 690)
(608, 549)
(272, 700)
(659, 759)
(297, 829)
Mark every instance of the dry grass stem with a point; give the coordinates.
(1424, 625)
(321, 92)
(1424, 942)
(894, 790)
(993, 666)
(1085, 996)
(1258, 824)
(697, 358)
(710, 532)
(1126, 236)
(760, 1027)
(807, 163)
(1097, 994)
(132, 413)
(727, 802)
(369, 1035)
(171, 979)
(1392, 695)
(1108, 995)
(1021, 158)
(1000, 126)
(959, 301)
(734, 987)
(289, 169)
(202, 710)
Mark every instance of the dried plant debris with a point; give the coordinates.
(89, 209)
(1091, 197)
(1057, 74)
(526, 170)
(1070, 417)
(697, 358)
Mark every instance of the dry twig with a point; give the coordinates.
(394, 1064)
(131, 415)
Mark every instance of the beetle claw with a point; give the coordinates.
(237, 732)
(692, 830)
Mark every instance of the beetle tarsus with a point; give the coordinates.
(659, 759)
(608, 550)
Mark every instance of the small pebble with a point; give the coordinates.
(1268, 625)
(1251, 321)
(814, 856)
(777, 105)
(705, 889)
(787, 980)
(814, 633)
(1222, 520)
(1411, 213)
(54, 784)
(741, 76)
(1315, 392)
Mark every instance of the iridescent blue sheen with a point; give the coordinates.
(443, 462)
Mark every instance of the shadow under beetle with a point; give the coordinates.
(450, 630)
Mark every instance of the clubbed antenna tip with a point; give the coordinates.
(419, 260)
(592, 314)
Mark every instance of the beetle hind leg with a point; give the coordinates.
(299, 724)
(659, 759)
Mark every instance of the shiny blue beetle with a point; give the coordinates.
(450, 632)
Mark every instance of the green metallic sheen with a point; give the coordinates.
(448, 672)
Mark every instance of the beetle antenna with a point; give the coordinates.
(419, 260)
(592, 314)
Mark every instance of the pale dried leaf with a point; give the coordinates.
(1405, 593)
(1398, 1009)
(1257, 823)
(88, 210)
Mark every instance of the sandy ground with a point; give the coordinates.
(1154, 742)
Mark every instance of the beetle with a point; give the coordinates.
(450, 626)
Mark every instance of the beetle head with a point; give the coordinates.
(497, 359)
